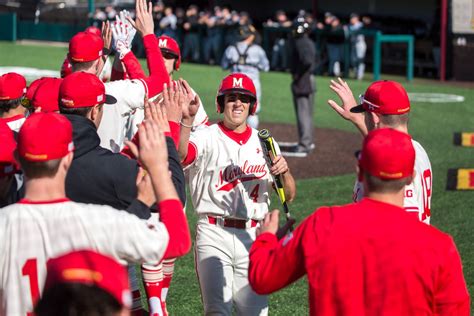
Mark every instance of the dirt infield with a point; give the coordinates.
(334, 153)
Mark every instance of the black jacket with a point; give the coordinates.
(302, 63)
(100, 176)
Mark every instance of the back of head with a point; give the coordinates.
(87, 282)
(46, 95)
(80, 92)
(387, 160)
(43, 140)
(300, 27)
(388, 99)
(12, 90)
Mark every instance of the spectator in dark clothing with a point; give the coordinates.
(214, 39)
(302, 64)
(96, 174)
(280, 47)
(334, 33)
(191, 35)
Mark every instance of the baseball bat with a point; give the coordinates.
(270, 152)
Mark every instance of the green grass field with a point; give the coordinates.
(432, 124)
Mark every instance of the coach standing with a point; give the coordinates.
(369, 258)
(303, 86)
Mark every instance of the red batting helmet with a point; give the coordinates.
(236, 83)
(170, 46)
(94, 30)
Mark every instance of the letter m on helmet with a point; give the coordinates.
(163, 42)
(237, 83)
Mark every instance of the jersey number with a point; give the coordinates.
(30, 270)
(254, 193)
(426, 183)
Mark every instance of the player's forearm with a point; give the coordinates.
(289, 185)
(132, 66)
(271, 268)
(156, 66)
(177, 174)
(361, 126)
(172, 216)
(184, 134)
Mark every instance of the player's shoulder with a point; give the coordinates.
(420, 153)
(122, 87)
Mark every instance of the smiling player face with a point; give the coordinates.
(236, 111)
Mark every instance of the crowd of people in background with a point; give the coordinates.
(205, 34)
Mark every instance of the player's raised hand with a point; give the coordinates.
(144, 18)
(279, 166)
(157, 113)
(107, 36)
(191, 101)
(145, 188)
(153, 153)
(344, 92)
(171, 102)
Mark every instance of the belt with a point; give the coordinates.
(231, 222)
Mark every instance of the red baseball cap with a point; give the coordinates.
(169, 45)
(45, 136)
(85, 46)
(8, 164)
(66, 68)
(93, 269)
(12, 86)
(30, 92)
(384, 97)
(387, 154)
(47, 95)
(81, 90)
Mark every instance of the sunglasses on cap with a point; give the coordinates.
(371, 105)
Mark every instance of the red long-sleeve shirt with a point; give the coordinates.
(370, 258)
(172, 215)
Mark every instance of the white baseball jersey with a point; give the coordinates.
(229, 178)
(31, 233)
(15, 122)
(130, 95)
(418, 193)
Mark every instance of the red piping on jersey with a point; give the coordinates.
(239, 138)
(13, 118)
(61, 200)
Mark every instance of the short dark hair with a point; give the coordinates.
(77, 299)
(81, 66)
(394, 121)
(74, 111)
(378, 185)
(39, 169)
(7, 105)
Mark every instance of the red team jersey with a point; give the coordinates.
(368, 258)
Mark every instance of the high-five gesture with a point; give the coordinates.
(144, 18)
(191, 101)
(344, 92)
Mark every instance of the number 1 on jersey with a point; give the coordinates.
(30, 270)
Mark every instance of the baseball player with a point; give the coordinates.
(386, 104)
(230, 185)
(248, 58)
(172, 59)
(158, 278)
(12, 91)
(371, 257)
(46, 223)
(85, 52)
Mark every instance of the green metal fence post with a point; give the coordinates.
(410, 57)
(377, 55)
